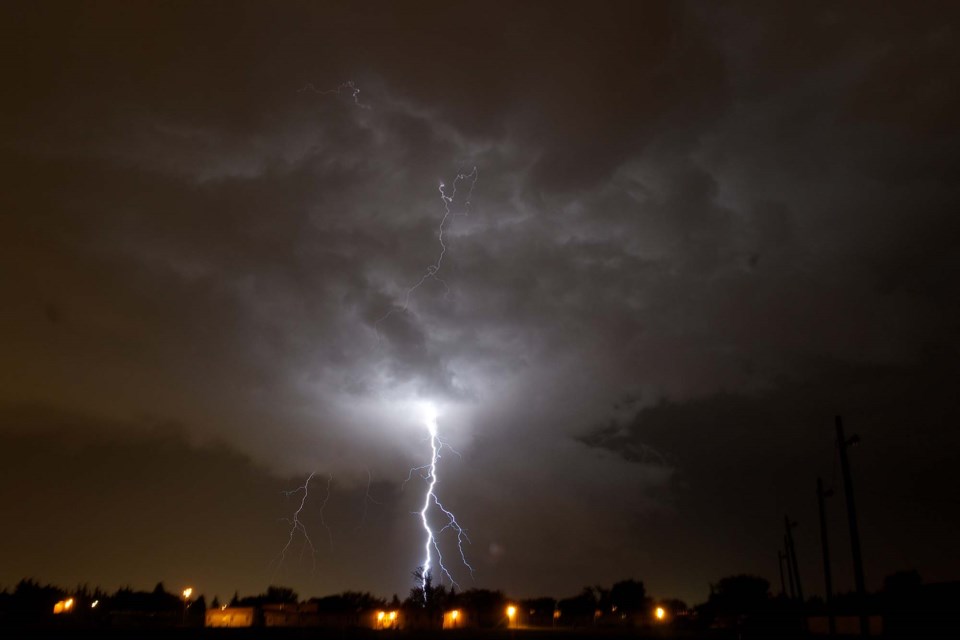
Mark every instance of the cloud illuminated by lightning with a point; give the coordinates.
(449, 198)
(428, 471)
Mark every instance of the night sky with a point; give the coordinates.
(699, 231)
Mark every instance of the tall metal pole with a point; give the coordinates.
(786, 557)
(842, 444)
(792, 558)
(825, 545)
(783, 584)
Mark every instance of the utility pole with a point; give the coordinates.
(825, 545)
(842, 444)
(783, 584)
(792, 557)
(786, 557)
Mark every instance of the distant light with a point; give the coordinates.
(93, 605)
(187, 592)
(223, 607)
(660, 613)
(393, 615)
(511, 611)
(63, 606)
(454, 614)
(380, 615)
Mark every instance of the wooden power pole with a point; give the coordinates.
(783, 582)
(786, 557)
(792, 557)
(825, 545)
(842, 444)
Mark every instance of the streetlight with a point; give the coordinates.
(660, 613)
(63, 606)
(511, 613)
(186, 602)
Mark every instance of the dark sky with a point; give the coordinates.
(699, 232)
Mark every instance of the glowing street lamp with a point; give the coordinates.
(63, 606)
(186, 602)
(660, 613)
(511, 615)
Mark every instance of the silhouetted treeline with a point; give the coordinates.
(30, 603)
(741, 605)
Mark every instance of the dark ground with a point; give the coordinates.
(366, 634)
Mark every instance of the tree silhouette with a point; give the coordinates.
(580, 608)
(629, 596)
(424, 594)
(284, 595)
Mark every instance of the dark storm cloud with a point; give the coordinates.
(745, 458)
(696, 233)
(117, 503)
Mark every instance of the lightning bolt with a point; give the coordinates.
(297, 525)
(434, 268)
(431, 544)
(323, 505)
(428, 471)
(348, 86)
(367, 499)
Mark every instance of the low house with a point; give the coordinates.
(456, 619)
(305, 614)
(231, 617)
(379, 619)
